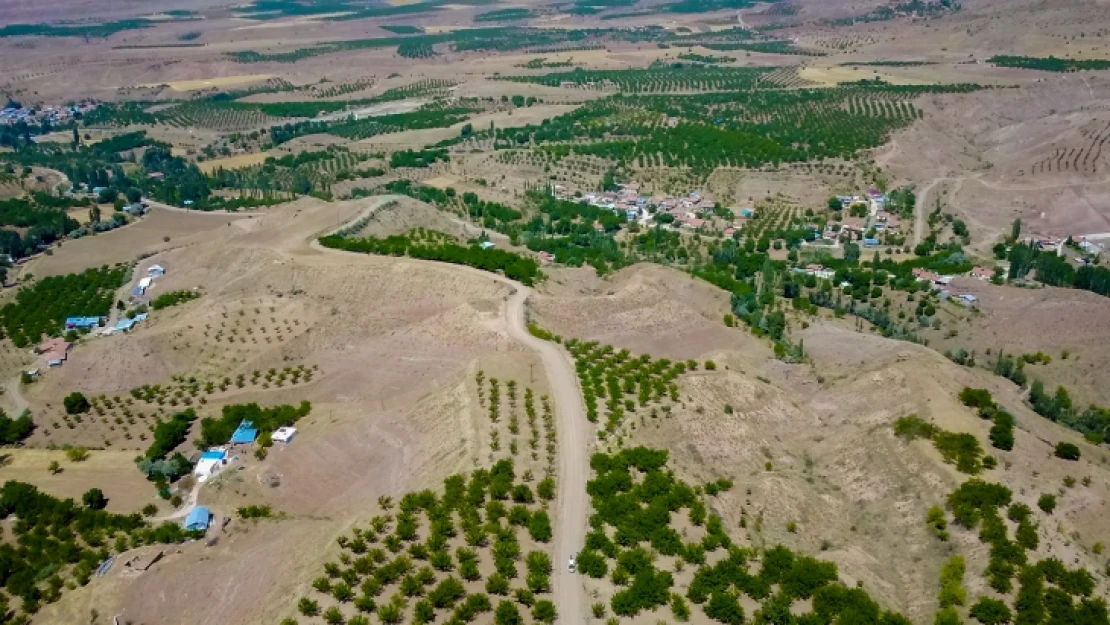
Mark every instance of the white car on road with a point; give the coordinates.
(572, 565)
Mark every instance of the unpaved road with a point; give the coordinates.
(573, 432)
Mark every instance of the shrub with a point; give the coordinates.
(976, 397)
(1067, 451)
(913, 426)
(1047, 503)
(172, 298)
(952, 591)
(539, 527)
(544, 611)
(77, 454)
(507, 614)
(94, 499)
(76, 403)
(990, 611)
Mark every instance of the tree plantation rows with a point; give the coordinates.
(505, 38)
(633, 542)
(749, 128)
(624, 383)
(40, 308)
(59, 542)
(655, 79)
(427, 562)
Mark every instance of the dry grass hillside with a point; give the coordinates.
(813, 444)
(645, 308)
(397, 344)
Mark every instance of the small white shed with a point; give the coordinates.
(283, 434)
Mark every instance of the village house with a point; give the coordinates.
(981, 273)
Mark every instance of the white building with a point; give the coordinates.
(283, 434)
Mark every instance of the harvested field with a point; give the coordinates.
(208, 83)
(113, 472)
(233, 162)
(161, 229)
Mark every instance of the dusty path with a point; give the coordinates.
(186, 507)
(921, 211)
(15, 395)
(178, 209)
(573, 433)
(570, 531)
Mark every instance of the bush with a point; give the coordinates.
(76, 403)
(77, 454)
(169, 434)
(1067, 451)
(544, 611)
(172, 298)
(952, 592)
(990, 611)
(507, 614)
(94, 499)
(1047, 503)
(539, 527)
(15, 430)
(976, 397)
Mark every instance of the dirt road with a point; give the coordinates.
(921, 211)
(570, 531)
(573, 431)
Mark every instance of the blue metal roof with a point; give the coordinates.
(198, 518)
(245, 433)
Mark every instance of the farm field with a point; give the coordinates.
(330, 312)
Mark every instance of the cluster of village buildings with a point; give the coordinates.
(691, 211)
(50, 114)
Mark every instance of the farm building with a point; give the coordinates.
(83, 323)
(210, 462)
(146, 282)
(138, 291)
(244, 434)
(283, 434)
(125, 325)
(198, 519)
(156, 271)
(486, 245)
(982, 273)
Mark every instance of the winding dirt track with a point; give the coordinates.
(572, 428)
